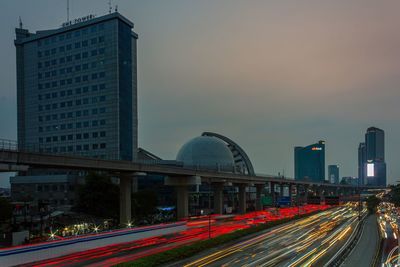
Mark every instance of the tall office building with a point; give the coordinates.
(309, 162)
(362, 159)
(333, 174)
(371, 158)
(77, 88)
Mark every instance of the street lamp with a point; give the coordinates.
(209, 209)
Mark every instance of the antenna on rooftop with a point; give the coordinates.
(109, 7)
(20, 22)
(116, 8)
(67, 10)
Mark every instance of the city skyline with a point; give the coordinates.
(160, 82)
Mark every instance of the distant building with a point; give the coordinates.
(309, 162)
(362, 159)
(350, 180)
(333, 174)
(371, 158)
(57, 191)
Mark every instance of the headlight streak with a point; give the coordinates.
(312, 230)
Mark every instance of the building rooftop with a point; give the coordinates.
(70, 26)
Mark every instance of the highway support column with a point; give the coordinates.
(181, 184)
(242, 198)
(218, 189)
(259, 189)
(125, 190)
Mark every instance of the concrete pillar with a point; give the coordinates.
(281, 190)
(181, 184)
(305, 193)
(271, 188)
(272, 192)
(182, 199)
(125, 190)
(218, 189)
(242, 198)
(259, 189)
(290, 191)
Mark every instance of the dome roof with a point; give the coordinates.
(206, 152)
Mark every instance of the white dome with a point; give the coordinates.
(206, 152)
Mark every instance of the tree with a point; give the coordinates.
(6, 209)
(372, 203)
(144, 203)
(98, 196)
(395, 195)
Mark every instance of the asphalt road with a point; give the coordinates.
(364, 252)
(306, 242)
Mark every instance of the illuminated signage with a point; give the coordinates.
(370, 169)
(316, 148)
(78, 20)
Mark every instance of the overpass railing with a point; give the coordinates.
(103, 154)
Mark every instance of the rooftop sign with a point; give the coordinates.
(78, 20)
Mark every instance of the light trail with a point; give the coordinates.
(313, 237)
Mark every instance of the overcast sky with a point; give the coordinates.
(268, 74)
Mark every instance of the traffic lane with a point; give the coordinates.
(390, 240)
(279, 241)
(364, 252)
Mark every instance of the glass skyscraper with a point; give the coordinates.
(371, 158)
(77, 88)
(309, 162)
(333, 174)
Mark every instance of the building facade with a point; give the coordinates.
(333, 174)
(371, 158)
(77, 88)
(309, 162)
(57, 191)
(362, 159)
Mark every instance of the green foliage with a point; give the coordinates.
(144, 203)
(5, 209)
(181, 253)
(395, 195)
(99, 196)
(372, 204)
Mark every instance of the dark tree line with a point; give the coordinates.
(99, 197)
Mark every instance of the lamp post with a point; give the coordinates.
(209, 209)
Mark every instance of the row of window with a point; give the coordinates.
(68, 115)
(63, 71)
(69, 126)
(71, 69)
(78, 102)
(54, 188)
(69, 35)
(70, 137)
(70, 58)
(68, 47)
(78, 91)
(78, 79)
(85, 147)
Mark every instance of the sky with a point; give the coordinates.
(270, 75)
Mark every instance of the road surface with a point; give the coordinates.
(306, 242)
(364, 252)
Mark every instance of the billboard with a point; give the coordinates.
(266, 200)
(284, 201)
(370, 169)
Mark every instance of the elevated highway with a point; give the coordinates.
(12, 159)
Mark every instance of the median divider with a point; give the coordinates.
(348, 247)
(181, 253)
